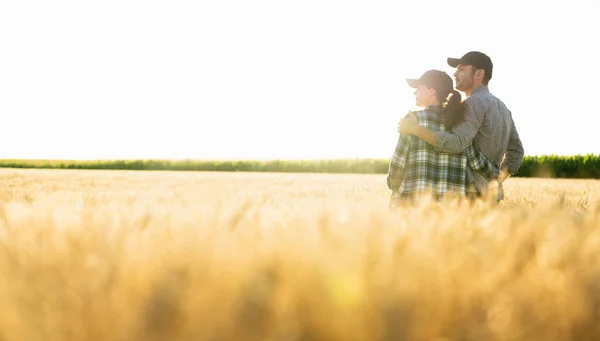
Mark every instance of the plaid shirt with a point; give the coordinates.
(416, 167)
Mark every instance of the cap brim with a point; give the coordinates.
(413, 83)
(454, 62)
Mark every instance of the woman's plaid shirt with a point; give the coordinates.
(416, 167)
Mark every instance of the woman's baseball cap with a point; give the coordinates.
(436, 79)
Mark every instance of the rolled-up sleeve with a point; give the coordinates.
(457, 140)
(514, 151)
(397, 167)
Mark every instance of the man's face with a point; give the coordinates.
(464, 77)
(424, 95)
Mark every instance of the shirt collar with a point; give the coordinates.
(481, 88)
(436, 108)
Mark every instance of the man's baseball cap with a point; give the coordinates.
(477, 59)
(436, 79)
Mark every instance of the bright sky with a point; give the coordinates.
(279, 79)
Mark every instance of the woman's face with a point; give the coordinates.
(424, 96)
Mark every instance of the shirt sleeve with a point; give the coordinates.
(478, 162)
(514, 151)
(397, 167)
(457, 140)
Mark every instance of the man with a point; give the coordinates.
(416, 169)
(488, 123)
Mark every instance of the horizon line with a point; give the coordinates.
(250, 159)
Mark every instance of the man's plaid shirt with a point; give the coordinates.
(489, 124)
(416, 167)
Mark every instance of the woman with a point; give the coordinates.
(416, 168)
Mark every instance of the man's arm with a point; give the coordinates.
(397, 168)
(462, 134)
(425, 135)
(514, 153)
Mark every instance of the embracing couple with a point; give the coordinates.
(453, 148)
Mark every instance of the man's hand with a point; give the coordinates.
(408, 125)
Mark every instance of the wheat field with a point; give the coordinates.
(130, 255)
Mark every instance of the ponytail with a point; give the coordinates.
(453, 111)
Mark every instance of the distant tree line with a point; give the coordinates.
(548, 166)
